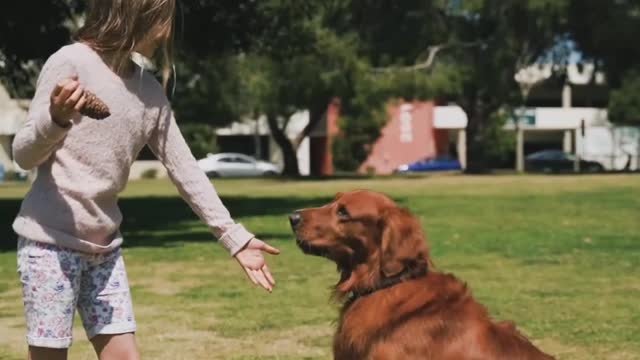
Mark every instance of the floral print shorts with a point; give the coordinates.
(56, 281)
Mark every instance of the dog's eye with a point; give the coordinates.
(343, 213)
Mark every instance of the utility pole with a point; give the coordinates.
(576, 163)
(519, 143)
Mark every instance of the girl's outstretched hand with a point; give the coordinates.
(252, 261)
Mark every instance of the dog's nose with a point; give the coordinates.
(295, 219)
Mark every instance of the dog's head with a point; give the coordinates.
(366, 234)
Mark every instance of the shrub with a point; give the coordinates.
(201, 139)
(149, 174)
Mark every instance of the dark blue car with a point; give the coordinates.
(441, 163)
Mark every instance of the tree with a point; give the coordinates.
(30, 31)
(200, 137)
(477, 45)
(279, 56)
(605, 32)
(307, 80)
(207, 90)
(298, 63)
(329, 64)
(624, 102)
(270, 72)
(209, 86)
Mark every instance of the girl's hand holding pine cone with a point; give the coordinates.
(69, 98)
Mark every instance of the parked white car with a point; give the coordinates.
(233, 164)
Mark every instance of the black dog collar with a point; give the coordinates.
(407, 274)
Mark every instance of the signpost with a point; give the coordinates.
(522, 118)
(576, 161)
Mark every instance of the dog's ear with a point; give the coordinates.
(403, 244)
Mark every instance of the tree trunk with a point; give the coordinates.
(286, 146)
(478, 116)
(290, 148)
(317, 112)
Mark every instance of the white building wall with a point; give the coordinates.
(603, 142)
(449, 117)
(569, 118)
(304, 157)
(297, 123)
(613, 147)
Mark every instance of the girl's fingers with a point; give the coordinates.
(267, 274)
(66, 91)
(258, 275)
(75, 96)
(56, 99)
(269, 249)
(56, 90)
(59, 86)
(250, 276)
(80, 103)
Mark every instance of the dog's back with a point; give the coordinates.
(434, 317)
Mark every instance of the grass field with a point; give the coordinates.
(558, 255)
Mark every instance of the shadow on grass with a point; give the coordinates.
(168, 221)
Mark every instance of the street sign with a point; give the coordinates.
(526, 117)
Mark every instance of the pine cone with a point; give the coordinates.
(94, 107)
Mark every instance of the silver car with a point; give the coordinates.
(236, 165)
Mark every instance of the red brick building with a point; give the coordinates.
(414, 131)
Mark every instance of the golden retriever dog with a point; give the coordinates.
(396, 306)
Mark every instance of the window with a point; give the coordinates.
(243, 160)
(547, 155)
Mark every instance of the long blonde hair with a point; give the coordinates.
(114, 28)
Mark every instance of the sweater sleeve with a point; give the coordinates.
(168, 144)
(39, 136)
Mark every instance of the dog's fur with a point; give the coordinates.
(425, 315)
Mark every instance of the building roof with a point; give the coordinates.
(577, 74)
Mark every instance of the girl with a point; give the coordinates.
(69, 243)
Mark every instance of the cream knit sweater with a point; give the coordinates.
(81, 169)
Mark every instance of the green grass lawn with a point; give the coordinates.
(558, 255)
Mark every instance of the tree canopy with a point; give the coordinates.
(243, 58)
(607, 33)
(30, 31)
(466, 53)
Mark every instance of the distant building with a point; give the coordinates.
(567, 114)
(570, 114)
(416, 131)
